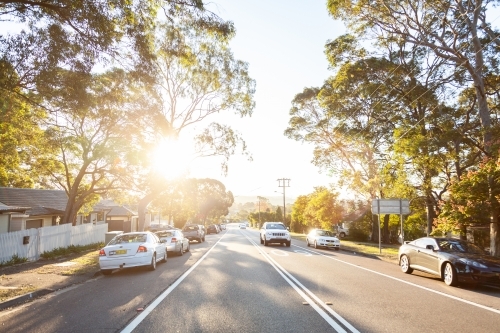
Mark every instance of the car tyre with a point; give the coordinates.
(288, 243)
(152, 265)
(261, 241)
(181, 251)
(336, 249)
(164, 257)
(200, 240)
(265, 242)
(106, 271)
(315, 245)
(307, 242)
(342, 234)
(404, 262)
(449, 275)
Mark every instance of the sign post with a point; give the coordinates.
(390, 206)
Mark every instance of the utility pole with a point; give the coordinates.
(286, 183)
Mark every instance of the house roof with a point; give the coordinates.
(39, 202)
(121, 211)
(5, 208)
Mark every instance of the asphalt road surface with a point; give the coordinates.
(232, 283)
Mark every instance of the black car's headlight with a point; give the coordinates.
(472, 263)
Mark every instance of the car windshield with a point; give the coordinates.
(275, 226)
(325, 233)
(130, 238)
(165, 233)
(452, 245)
(190, 228)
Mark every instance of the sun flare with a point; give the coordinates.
(172, 158)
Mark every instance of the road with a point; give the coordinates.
(231, 283)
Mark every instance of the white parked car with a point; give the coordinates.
(243, 226)
(176, 242)
(275, 232)
(132, 249)
(323, 238)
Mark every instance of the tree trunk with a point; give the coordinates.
(141, 210)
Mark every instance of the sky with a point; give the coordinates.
(283, 43)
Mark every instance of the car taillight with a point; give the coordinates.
(174, 240)
(102, 253)
(142, 249)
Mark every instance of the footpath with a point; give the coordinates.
(25, 282)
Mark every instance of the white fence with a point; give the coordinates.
(47, 239)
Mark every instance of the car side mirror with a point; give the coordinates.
(429, 247)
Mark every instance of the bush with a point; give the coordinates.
(13, 261)
(72, 249)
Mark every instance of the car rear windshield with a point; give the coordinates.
(135, 238)
(190, 228)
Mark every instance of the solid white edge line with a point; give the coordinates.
(137, 320)
(409, 283)
(322, 313)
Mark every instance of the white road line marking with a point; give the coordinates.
(295, 285)
(403, 281)
(134, 323)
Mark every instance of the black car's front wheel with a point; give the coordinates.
(449, 275)
(404, 262)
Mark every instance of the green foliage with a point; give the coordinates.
(13, 261)
(72, 249)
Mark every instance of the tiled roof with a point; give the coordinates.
(120, 211)
(41, 202)
(5, 208)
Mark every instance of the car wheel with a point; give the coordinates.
(404, 262)
(261, 241)
(106, 271)
(200, 240)
(342, 234)
(203, 239)
(336, 249)
(307, 242)
(315, 245)
(164, 257)
(288, 243)
(449, 275)
(265, 242)
(152, 265)
(181, 251)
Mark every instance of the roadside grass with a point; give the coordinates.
(72, 249)
(13, 261)
(8, 293)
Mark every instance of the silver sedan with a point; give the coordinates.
(176, 242)
(323, 238)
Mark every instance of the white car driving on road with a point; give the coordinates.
(323, 238)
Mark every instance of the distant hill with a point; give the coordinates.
(274, 200)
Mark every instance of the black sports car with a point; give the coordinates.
(451, 259)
